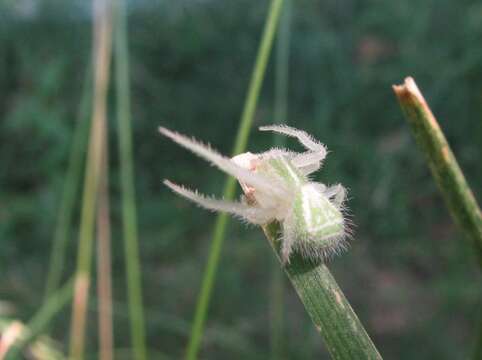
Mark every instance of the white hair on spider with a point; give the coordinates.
(277, 188)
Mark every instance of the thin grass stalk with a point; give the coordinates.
(71, 184)
(168, 324)
(277, 291)
(102, 50)
(230, 186)
(343, 334)
(282, 71)
(450, 179)
(457, 194)
(42, 318)
(104, 273)
(129, 212)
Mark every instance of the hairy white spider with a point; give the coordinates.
(277, 187)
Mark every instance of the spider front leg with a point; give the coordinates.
(309, 161)
(254, 215)
(337, 194)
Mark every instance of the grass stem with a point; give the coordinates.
(343, 334)
(42, 318)
(71, 184)
(449, 177)
(129, 212)
(104, 272)
(277, 291)
(230, 186)
(102, 50)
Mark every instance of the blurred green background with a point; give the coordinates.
(408, 274)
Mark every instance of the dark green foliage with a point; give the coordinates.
(415, 288)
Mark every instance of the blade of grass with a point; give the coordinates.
(343, 334)
(217, 335)
(71, 184)
(102, 49)
(457, 194)
(129, 217)
(39, 322)
(229, 188)
(104, 273)
(277, 308)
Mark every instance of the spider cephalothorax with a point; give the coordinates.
(277, 187)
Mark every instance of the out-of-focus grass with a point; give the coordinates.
(240, 144)
(96, 168)
(63, 229)
(40, 321)
(280, 115)
(190, 65)
(129, 208)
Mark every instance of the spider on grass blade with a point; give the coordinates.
(277, 187)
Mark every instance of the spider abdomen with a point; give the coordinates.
(318, 223)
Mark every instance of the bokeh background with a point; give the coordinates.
(409, 273)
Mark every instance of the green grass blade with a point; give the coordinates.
(39, 322)
(129, 217)
(229, 189)
(455, 190)
(98, 137)
(71, 184)
(277, 292)
(282, 71)
(449, 177)
(343, 334)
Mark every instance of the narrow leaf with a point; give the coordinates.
(343, 334)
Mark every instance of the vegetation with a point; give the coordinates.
(412, 284)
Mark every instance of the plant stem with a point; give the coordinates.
(334, 318)
(104, 273)
(282, 71)
(277, 293)
(129, 217)
(457, 194)
(71, 183)
(445, 169)
(230, 186)
(102, 49)
(54, 304)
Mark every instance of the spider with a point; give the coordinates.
(277, 187)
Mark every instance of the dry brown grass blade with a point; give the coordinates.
(104, 263)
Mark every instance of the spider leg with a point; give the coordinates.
(304, 138)
(309, 161)
(252, 214)
(337, 193)
(289, 238)
(225, 164)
